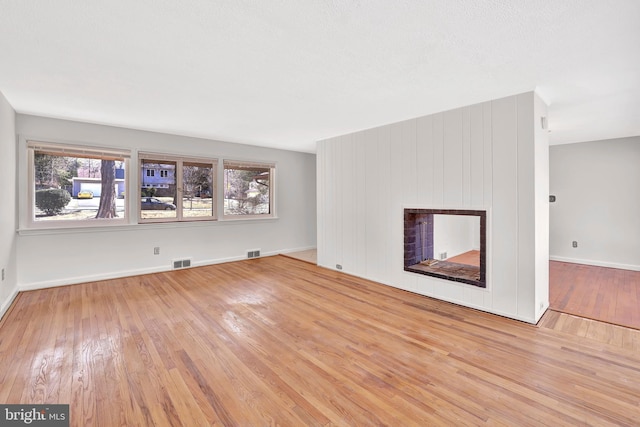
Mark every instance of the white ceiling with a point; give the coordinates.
(286, 73)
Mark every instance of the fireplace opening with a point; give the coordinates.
(446, 243)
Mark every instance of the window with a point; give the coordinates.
(76, 185)
(184, 190)
(151, 172)
(248, 189)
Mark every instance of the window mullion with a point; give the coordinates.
(195, 181)
(179, 190)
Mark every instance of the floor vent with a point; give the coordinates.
(253, 254)
(181, 263)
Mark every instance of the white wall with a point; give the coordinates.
(455, 234)
(8, 215)
(48, 258)
(597, 189)
(540, 228)
(489, 156)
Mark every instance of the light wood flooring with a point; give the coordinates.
(277, 341)
(605, 294)
(596, 293)
(469, 258)
(590, 329)
(310, 255)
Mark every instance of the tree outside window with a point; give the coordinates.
(247, 189)
(76, 184)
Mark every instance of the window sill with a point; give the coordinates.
(141, 226)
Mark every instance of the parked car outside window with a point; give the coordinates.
(151, 203)
(85, 194)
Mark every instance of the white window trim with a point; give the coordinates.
(272, 192)
(26, 189)
(69, 149)
(179, 161)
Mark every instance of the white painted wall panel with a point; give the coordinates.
(387, 209)
(326, 252)
(425, 160)
(487, 195)
(438, 159)
(370, 219)
(339, 190)
(541, 158)
(480, 156)
(466, 157)
(364, 190)
(505, 205)
(487, 137)
(475, 297)
(409, 162)
(526, 209)
(453, 158)
(8, 216)
(321, 179)
(395, 200)
(476, 155)
(349, 193)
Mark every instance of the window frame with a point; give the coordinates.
(131, 211)
(155, 157)
(79, 151)
(248, 164)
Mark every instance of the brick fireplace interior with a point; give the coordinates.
(448, 244)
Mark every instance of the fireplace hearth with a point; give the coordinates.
(448, 244)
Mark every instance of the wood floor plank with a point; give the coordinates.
(470, 258)
(620, 336)
(600, 293)
(277, 341)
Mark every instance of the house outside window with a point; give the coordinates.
(184, 190)
(83, 186)
(76, 185)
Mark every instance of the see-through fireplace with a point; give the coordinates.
(446, 243)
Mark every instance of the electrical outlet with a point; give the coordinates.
(156, 250)
(339, 267)
(575, 244)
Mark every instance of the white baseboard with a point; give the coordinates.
(90, 278)
(138, 272)
(462, 303)
(288, 251)
(7, 303)
(596, 263)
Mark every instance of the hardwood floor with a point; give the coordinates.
(605, 294)
(310, 256)
(469, 258)
(603, 332)
(276, 341)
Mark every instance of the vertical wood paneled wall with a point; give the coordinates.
(488, 156)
